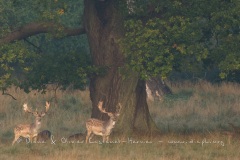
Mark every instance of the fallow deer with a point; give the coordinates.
(77, 136)
(102, 128)
(43, 136)
(235, 128)
(30, 130)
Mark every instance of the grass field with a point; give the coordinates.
(193, 121)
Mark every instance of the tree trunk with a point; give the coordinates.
(156, 89)
(104, 28)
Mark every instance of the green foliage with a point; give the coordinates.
(224, 26)
(156, 46)
(62, 62)
(41, 60)
(16, 13)
(58, 68)
(162, 36)
(14, 60)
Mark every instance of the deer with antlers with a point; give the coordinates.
(102, 128)
(30, 130)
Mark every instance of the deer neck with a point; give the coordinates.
(110, 123)
(37, 123)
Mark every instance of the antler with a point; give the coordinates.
(119, 108)
(100, 104)
(47, 106)
(26, 109)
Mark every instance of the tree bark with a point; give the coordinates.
(104, 28)
(156, 89)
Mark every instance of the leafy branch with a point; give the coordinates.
(37, 28)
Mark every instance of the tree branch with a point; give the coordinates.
(37, 28)
(39, 49)
(7, 94)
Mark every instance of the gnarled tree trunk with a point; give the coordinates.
(104, 28)
(156, 89)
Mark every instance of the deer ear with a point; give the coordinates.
(43, 114)
(109, 114)
(35, 113)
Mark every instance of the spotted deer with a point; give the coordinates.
(30, 130)
(102, 128)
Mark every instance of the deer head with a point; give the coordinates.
(36, 113)
(112, 115)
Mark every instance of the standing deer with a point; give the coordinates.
(30, 130)
(102, 128)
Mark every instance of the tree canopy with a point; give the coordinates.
(43, 55)
(162, 36)
(36, 47)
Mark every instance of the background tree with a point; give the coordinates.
(43, 56)
(183, 36)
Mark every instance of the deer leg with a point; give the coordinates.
(91, 136)
(88, 135)
(103, 139)
(107, 138)
(30, 139)
(15, 139)
(34, 139)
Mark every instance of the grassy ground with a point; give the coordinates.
(193, 122)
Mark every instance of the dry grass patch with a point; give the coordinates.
(191, 118)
